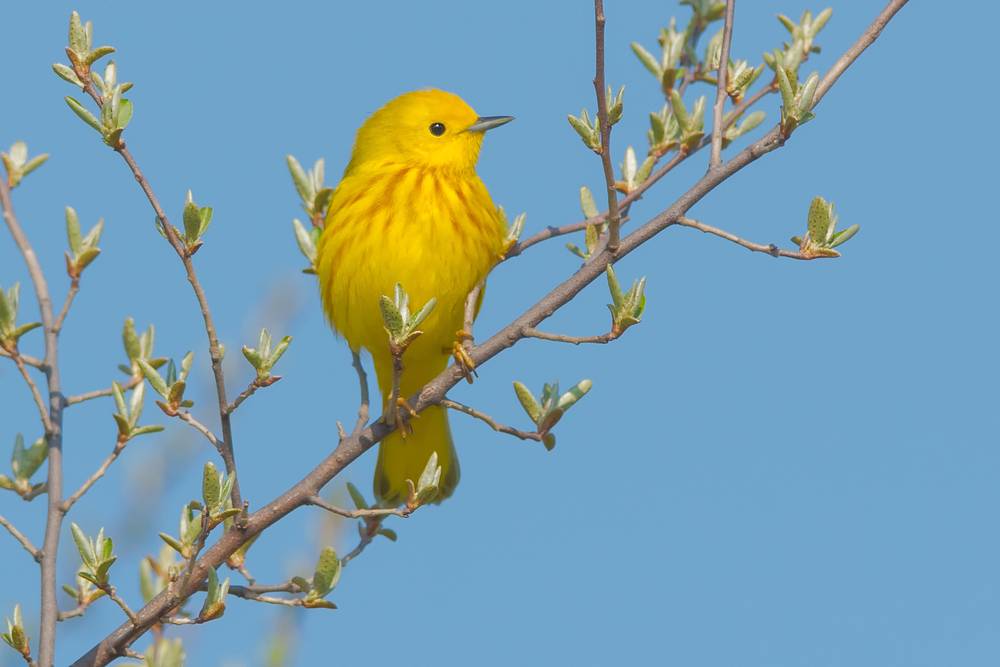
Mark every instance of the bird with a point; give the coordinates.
(410, 209)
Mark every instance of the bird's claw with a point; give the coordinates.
(402, 412)
(461, 354)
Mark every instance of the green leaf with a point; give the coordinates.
(84, 546)
(133, 347)
(391, 316)
(210, 487)
(67, 74)
(302, 183)
(84, 114)
(528, 401)
(99, 53)
(680, 111)
(614, 287)
(77, 34)
(647, 59)
(431, 473)
(155, 379)
(844, 236)
(327, 572)
(787, 94)
(192, 222)
(819, 221)
(26, 462)
(388, 533)
(174, 544)
(73, 231)
(587, 204)
(575, 393)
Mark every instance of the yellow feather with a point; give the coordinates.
(409, 209)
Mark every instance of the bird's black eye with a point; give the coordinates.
(437, 129)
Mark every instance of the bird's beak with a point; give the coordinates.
(484, 123)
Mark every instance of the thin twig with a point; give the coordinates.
(188, 418)
(432, 393)
(359, 513)
(363, 406)
(112, 593)
(392, 416)
(492, 423)
(244, 395)
(36, 395)
(575, 340)
(99, 473)
(34, 362)
(614, 217)
(768, 248)
(367, 537)
(636, 194)
(720, 95)
(866, 39)
(133, 382)
(21, 538)
(54, 482)
(76, 611)
(74, 288)
(214, 349)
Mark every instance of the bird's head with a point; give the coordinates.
(430, 128)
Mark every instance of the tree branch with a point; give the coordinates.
(22, 538)
(351, 447)
(492, 423)
(99, 473)
(188, 418)
(36, 395)
(360, 513)
(614, 216)
(34, 362)
(101, 393)
(770, 248)
(575, 340)
(74, 288)
(363, 386)
(720, 95)
(227, 450)
(626, 201)
(50, 366)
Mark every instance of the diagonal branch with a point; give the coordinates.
(768, 248)
(489, 421)
(21, 538)
(36, 395)
(74, 288)
(99, 473)
(214, 350)
(353, 446)
(626, 201)
(34, 362)
(720, 95)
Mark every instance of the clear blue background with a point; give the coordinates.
(786, 463)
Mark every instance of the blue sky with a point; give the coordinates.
(785, 464)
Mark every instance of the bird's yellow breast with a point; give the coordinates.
(434, 230)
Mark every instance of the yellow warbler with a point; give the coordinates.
(410, 209)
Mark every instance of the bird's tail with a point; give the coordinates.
(401, 458)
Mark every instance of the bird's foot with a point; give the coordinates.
(402, 413)
(461, 354)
